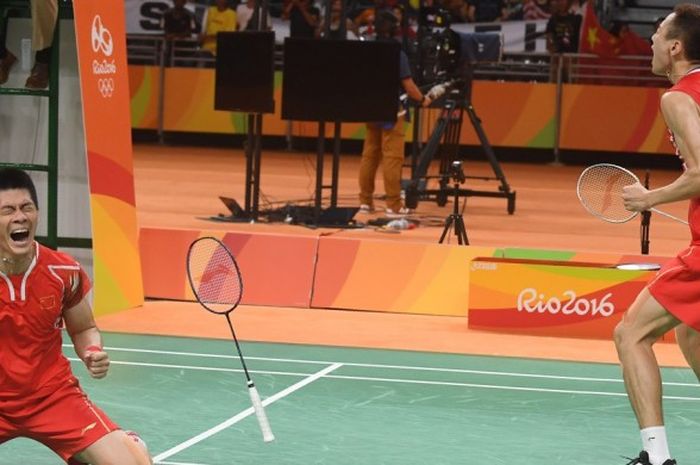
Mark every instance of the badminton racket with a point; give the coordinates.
(217, 285)
(599, 188)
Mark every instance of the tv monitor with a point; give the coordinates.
(245, 72)
(340, 80)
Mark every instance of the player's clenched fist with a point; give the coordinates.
(97, 362)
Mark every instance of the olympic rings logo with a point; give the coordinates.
(101, 37)
(106, 87)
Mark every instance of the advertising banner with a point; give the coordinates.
(104, 82)
(550, 298)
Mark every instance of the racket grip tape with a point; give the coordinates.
(260, 413)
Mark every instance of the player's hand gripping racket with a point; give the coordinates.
(599, 188)
(216, 282)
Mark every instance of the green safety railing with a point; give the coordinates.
(21, 9)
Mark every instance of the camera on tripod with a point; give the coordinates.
(447, 57)
(443, 53)
(457, 172)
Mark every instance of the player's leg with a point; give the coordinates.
(8, 430)
(641, 326)
(689, 342)
(67, 422)
(371, 156)
(117, 447)
(393, 152)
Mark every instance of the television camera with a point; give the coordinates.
(446, 57)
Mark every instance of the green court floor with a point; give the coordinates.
(328, 405)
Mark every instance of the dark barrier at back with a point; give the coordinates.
(340, 80)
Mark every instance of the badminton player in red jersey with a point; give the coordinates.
(42, 290)
(672, 298)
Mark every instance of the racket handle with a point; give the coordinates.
(668, 215)
(260, 413)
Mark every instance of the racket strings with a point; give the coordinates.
(600, 190)
(215, 278)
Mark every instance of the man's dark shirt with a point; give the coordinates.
(179, 22)
(486, 11)
(298, 27)
(564, 32)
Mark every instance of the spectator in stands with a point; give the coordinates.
(457, 10)
(577, 7)
(244, 13)
(514, 10)
(334, 30)
(486, 11)
(384, 141)
(536, 9)
(178, 22)
(411, 27)
(364, 22)
(220, 18)
(562, 31)
(44, 14)
(303, 18)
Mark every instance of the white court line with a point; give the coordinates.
(502, 388)
(393, 367)
(180, 463)
(190, 367)
(245, 413)
(395, 380)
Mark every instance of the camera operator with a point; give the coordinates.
(384, 141)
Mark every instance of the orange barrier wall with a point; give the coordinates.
(513, 114)
(326, 271)
(392, 276)
(625, 119)
(276, 269)
(550, 299)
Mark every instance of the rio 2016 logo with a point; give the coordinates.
(531, 301)
(103, 70)
(101, 37)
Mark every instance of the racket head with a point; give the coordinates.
(214, 275)
(599, 189)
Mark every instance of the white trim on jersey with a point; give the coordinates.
(32, 265)
(9, 286)
(63, 284)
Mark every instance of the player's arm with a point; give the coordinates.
(683, 119)
(86, 338)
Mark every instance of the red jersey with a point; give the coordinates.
(675, 285)
(32, 363)
(690, 84)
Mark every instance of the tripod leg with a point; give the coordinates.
(488, 150)
(446, 230)
(461, 231)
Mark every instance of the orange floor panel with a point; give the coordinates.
(361, 329)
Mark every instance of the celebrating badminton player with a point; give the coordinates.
(672, 298)
(40, 291)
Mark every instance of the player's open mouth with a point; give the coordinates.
(20, 236)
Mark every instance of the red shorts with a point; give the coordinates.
(65, 421)
(677, 286)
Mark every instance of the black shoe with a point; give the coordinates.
(643, 459)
